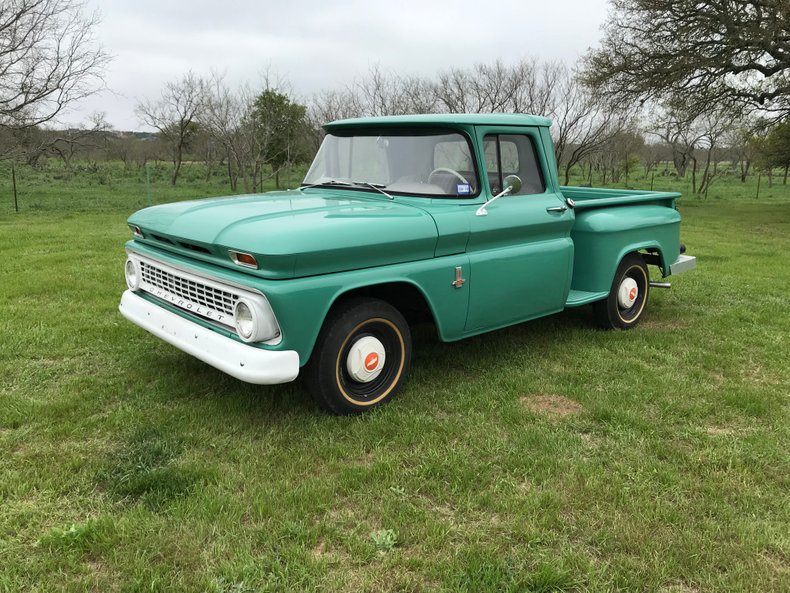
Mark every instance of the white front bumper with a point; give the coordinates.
(250, 364)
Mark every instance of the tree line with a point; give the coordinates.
(698, 87)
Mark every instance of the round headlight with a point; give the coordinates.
(132, 275)
(245, 321)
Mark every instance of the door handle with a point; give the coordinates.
(558, 209)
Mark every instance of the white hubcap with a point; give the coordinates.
(365, 359)
(627, 293)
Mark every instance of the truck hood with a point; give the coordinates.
(293, 233)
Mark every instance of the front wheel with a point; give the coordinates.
(624, 306)
(361, 357)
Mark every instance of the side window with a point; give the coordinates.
(512, 154)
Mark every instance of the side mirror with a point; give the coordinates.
(512, 185)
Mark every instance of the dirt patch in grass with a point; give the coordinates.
(727, 431)
(332, 554)
(555, 406)
(319, 551)
(679, 588)
(757, 374)
(590, 441)
(366, 460)
(101, 574)
(777, 563)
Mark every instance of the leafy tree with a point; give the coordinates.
(717, 53)
(282, 130)
(775, 148)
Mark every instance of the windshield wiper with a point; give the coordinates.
(375, 186)
(326, 182)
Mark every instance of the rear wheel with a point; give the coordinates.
(624, 306)
(361, 357)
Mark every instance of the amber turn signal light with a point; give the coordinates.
(243, 259)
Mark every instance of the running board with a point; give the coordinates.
(577, 298)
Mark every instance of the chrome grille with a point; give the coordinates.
(211, 297)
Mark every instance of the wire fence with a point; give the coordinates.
(113, 186)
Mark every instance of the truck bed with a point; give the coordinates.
(596, 197)
(611, 223)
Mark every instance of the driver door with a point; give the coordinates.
(520, 253)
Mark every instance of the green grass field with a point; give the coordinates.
(550, 456)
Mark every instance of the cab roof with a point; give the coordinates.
(433, 119)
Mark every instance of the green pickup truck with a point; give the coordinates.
(454, 219)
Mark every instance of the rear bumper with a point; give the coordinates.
(684, 263)
(247, 363)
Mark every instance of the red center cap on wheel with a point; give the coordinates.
(371, 361)
(632, 294)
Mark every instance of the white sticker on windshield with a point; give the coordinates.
(463, 188)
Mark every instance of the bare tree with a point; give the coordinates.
(121, 147)
(333, 105)
(380, 93)
(175, 115)
(227, 116)
(416, 95)
(680, 133)
(740, 154)
(525, 87)
(66, 144)
(484, 88)
(329, 106)
(454, 91)
(48, 60)
(377, 93)
(714, 127)
(690, 137)
(583, 124)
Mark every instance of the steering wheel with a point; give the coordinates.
(450, 171)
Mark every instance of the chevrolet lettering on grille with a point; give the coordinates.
(186, 305)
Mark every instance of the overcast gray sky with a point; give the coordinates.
(323, 45)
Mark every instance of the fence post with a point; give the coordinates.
(148, 184)
(13, 182)
(759, 176)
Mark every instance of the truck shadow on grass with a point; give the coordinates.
(146, 468)
(178, 379)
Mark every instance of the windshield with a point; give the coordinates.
(430, 163)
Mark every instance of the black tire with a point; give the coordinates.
(611, 313)
(327, 375)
